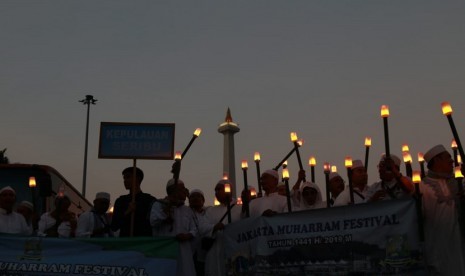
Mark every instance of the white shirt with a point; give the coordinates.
(344, 197)
(273, 201)
(46, 221)
(183, 222)
(13, 223)
(86, 224)
(443, 243)
(393, 186)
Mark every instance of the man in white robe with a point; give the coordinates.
(443, 242)
(310, 197)
(10, 221)
(170, 217)
(392, 184)
(336, 186)
(96, 223)
(271, 203)
(359, 178)
(216, 221)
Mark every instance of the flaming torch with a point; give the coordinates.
(421, 160)
(227, 191)
(288, 193)
(447, 110)
(312, 163)
(385, 115)
(256, 158)
(245, 200)
(416, 178)
(453, 145)
(408, 163)
(367, 150)
(326, 170)
(348, 165)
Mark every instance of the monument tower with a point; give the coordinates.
(228, 129)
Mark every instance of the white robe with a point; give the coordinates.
(85, 224)
(183, 222)
(273, 201)
(443, 243)
(13, 223)
(46, 221)
(302, 205)
(397, 191)
(215, 260)
(344, 197)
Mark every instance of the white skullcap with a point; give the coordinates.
(438, 149)
(198, 191)
(357, 164)
(333, 175)
(171, 182)
(7, 188)
(223, 181)
(273, 173)
(27, 204)
(394, 158)
(103, 195)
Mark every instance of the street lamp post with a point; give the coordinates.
(87, 101)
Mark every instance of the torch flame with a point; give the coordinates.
(453, 145)
(197, 132)
(239, 201)
(458, 172)
(348, 162)
(285, 174)
(253, 193)
(416, 177)
(312, 161)
(225, 176)
(285, 164)
(32, 182)
(367, 141)
(300, 142)
(334, 169)
(421, 158)
(459, 159)
(405, 148)
(407, 157)
(446, 108)
(216, 202)
(177, 155)
(256, 156)
(294, 136)
(244, 164)
(384, 111)
(227, 188)
(326, 167)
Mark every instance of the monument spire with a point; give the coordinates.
(228, 128)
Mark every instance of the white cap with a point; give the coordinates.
(430, 154)
(7, 188)
(171, 182)
(273, 173)
(103, 195)
(333, 175)
(198, 191)
(357, 164)
(27, 204)
(394, 158)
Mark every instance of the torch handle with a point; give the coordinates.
(288, 196)
(386, 136)
(245, 200)
(351, 187)
(418, 200)
(367, 153)
(188, 146)
(456, 136)
(312, 171)
(328, 198)
(284, 159)
(258, 178)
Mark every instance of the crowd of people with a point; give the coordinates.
(198, 228)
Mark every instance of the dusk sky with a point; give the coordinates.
(319, 68)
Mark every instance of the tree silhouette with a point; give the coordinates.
(3, 158)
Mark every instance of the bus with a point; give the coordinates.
(49, 183)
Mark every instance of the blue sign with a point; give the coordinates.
(136, 141)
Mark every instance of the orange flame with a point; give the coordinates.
(312, 161)
(453, 145)
(348, 162)
(446, 108)
(32, 182)
(245, 165)
(367, 141)
(416, 177)
(285, 174)
(384, 111)
(294, 136)
(197, 132)
(256, 156)
(421, 157)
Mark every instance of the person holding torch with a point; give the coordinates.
(359, 179)
(271, 203)
(443, 242)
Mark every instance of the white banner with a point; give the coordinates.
(372, 238)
